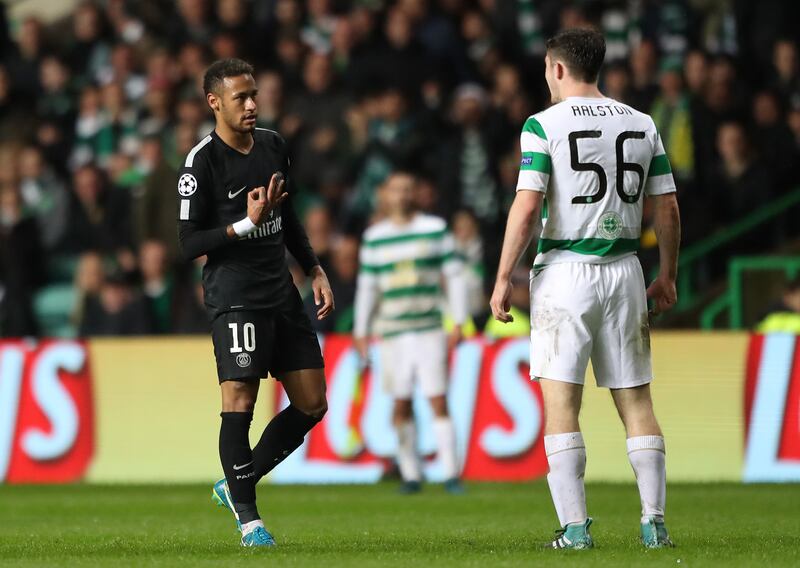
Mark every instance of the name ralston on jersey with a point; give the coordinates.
(593, 158)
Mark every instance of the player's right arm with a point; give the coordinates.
(195, 203)
(366, 301)
(522, 220)
(534, 178)
(667, 224)
(660, 189)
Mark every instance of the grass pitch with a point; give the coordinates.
(331, 526)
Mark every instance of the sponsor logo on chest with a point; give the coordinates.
(267, 228)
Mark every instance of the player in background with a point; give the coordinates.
(258, 322)
(587, 163)
(404, 261)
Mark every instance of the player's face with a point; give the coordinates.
(236, 103)
(400, 194)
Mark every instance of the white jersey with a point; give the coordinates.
(401, 272)
(593, 158)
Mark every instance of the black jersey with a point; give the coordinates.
(249, 273)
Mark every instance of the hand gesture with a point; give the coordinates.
(261, 201)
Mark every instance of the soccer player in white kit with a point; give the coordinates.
(404, 261)
(587, 164)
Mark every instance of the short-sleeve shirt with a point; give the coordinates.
(594, 159)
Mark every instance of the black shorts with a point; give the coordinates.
(251, 344)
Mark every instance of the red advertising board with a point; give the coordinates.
(496, 410)
(772, 409)
(46, 413)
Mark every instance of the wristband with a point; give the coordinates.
(244, 227)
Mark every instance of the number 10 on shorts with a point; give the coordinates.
(248, 336)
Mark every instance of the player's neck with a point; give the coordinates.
(401, 217)
(239, 141)
(583, 90)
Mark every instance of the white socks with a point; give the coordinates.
(566, 454)
(407, 459)
(647, 455)
(446, 445)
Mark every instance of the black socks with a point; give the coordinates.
(283, 435)
(237, 463)
(243, 467)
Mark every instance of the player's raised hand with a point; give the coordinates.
(501, 302)
(662, 292)
(275, 192)
(257, 205)
(323, 296)
(261, 200)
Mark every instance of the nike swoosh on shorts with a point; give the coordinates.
(238, 467)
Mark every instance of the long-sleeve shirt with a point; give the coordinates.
(402, 268)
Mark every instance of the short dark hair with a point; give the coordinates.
(581, 50)
(222, 68)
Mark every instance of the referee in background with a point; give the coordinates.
(234, 207)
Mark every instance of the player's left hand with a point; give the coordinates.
(454, 337)
(322, 293)
(662, 292)
(501, 302)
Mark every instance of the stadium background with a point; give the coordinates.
(100, 101)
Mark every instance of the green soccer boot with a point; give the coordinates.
(575, 536)
(655, 535)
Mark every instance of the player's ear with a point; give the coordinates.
(212, 101)
(560, 71)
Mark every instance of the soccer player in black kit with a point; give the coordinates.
(233, 207)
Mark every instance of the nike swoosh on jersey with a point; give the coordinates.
(238, 467)
(231, 195)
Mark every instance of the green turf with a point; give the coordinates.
(326, 527)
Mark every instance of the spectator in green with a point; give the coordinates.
(672, 115)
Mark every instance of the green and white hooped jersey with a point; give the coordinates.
(406, 264)
(593, 158)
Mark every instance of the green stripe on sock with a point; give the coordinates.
(659, 166)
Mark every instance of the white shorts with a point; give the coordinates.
(414, 356)
(599, 311)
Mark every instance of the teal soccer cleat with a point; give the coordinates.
(655, 535)
(222, 497)
(454, 486)
(574, 536)
(410, 488)
(258, 537)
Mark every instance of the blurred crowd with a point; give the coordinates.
(98, 109)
